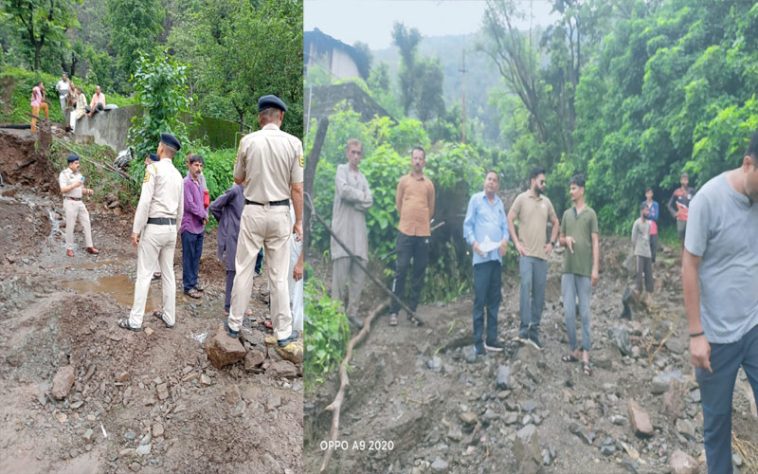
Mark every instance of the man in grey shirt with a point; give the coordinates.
(352, 198)
(720, 284)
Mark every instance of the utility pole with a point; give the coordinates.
(463, 71)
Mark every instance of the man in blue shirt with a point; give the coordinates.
(720, 285)
(486, 230)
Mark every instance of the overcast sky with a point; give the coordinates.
(370, 21)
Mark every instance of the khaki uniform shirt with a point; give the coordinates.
(415, 204)
(269, 161)
(532, 214)
(162, 194)
(67, 178)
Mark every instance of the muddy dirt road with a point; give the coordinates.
(524, 410)
(143, 402)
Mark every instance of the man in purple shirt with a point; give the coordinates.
(193, 225)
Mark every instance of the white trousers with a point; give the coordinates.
(268, 227)
(157, 244)
(76, 210)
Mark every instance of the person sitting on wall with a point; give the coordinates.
(97, 104)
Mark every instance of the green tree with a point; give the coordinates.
(41, 22)
(135, 26)
(407, 41)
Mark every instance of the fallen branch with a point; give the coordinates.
(336, 406)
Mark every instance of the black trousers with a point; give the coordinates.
(410, 248)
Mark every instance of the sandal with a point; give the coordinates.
(586, 369)
(569, 358)
(159, 314)
(393, 319)
(124, 324)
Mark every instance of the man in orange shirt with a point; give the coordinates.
(415, 204)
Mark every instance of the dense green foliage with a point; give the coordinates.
(326, 333)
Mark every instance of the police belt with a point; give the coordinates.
(283, 202)
(72, 198)
(161, 220)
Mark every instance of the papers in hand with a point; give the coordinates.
(488, 245)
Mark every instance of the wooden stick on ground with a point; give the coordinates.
(336, 406)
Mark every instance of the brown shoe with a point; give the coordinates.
(69, 253)
(93, 250)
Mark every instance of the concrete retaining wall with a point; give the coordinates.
(110, 127)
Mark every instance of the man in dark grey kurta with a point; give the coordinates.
(352, 198)
(227, 210)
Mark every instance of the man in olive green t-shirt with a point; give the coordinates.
(579, 233)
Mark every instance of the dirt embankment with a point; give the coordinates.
(142, 402)
(523, 410)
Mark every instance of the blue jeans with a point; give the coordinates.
(573, 286)
(192, 249)
(533, 272)
(487, 279)
(716, 390)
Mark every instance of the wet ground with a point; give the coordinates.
(142, 402)
(419, 402)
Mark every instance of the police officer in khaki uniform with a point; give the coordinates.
(160, 207)
(270, 169)
(72, 188)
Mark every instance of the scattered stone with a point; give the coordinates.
(122, 376)
(88, 434)
(434, 364)
(147, 439)
(737, 460)
(695, 395)
(144, 449)
(130, 435)
(676, 345)
(157, 430)
(526, 450)
(149, 331)
(135, 466)
(282, 368)
(205, 380)
(62, 382)
(673, 399)
(503, 377)
(77, 404)
(455, 433)
(468, 418)
(662, 381)
(511, 418)
(469, 353)
(254, 359)
(61, 417)
(439, 465)
(232, 394)
(640, 420)
(162, 391)
(620, 338)
(682, 463)
(602, 362)
(686, 429)
(618, 420)
(529, 406)
(223, 350)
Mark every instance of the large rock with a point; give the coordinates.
(503, 377)
(254, 359)
(282, 368)
(662, 381)
(640, 420)
(673, 399)
(526, 449)
(62, 382)
(292, 352)
(620, 338)
(224, 350)
(682, 463)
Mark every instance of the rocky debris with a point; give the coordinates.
(254, 359)
(122, 376)
(157, 430)
(223, 350)
(682, 463)
(62, 382)
(662, 381)
(503, 377)
(434, 364)
(439, 465)
(640, 420)
(232, 395)
(162, 390)
(292, 352)
(468, 418)
(686, 429)
(673, 399)
(527, 451)
(282, 369)
(620, 338)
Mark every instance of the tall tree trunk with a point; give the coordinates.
(310, 176)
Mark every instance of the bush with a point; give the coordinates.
(326, 333)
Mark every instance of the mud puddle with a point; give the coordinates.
(119, 287)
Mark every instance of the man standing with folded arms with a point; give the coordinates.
(415, 204)
(720, 285)
(160, 207)
(270, 168)
(485, 228)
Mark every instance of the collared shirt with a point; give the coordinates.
(194, 209)
(67, 178)
(352, 198)
(162, 194)
(580, 225)
(269, 161)
(721, 229)
(485, 220)
(532, 212)
(415, 204)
